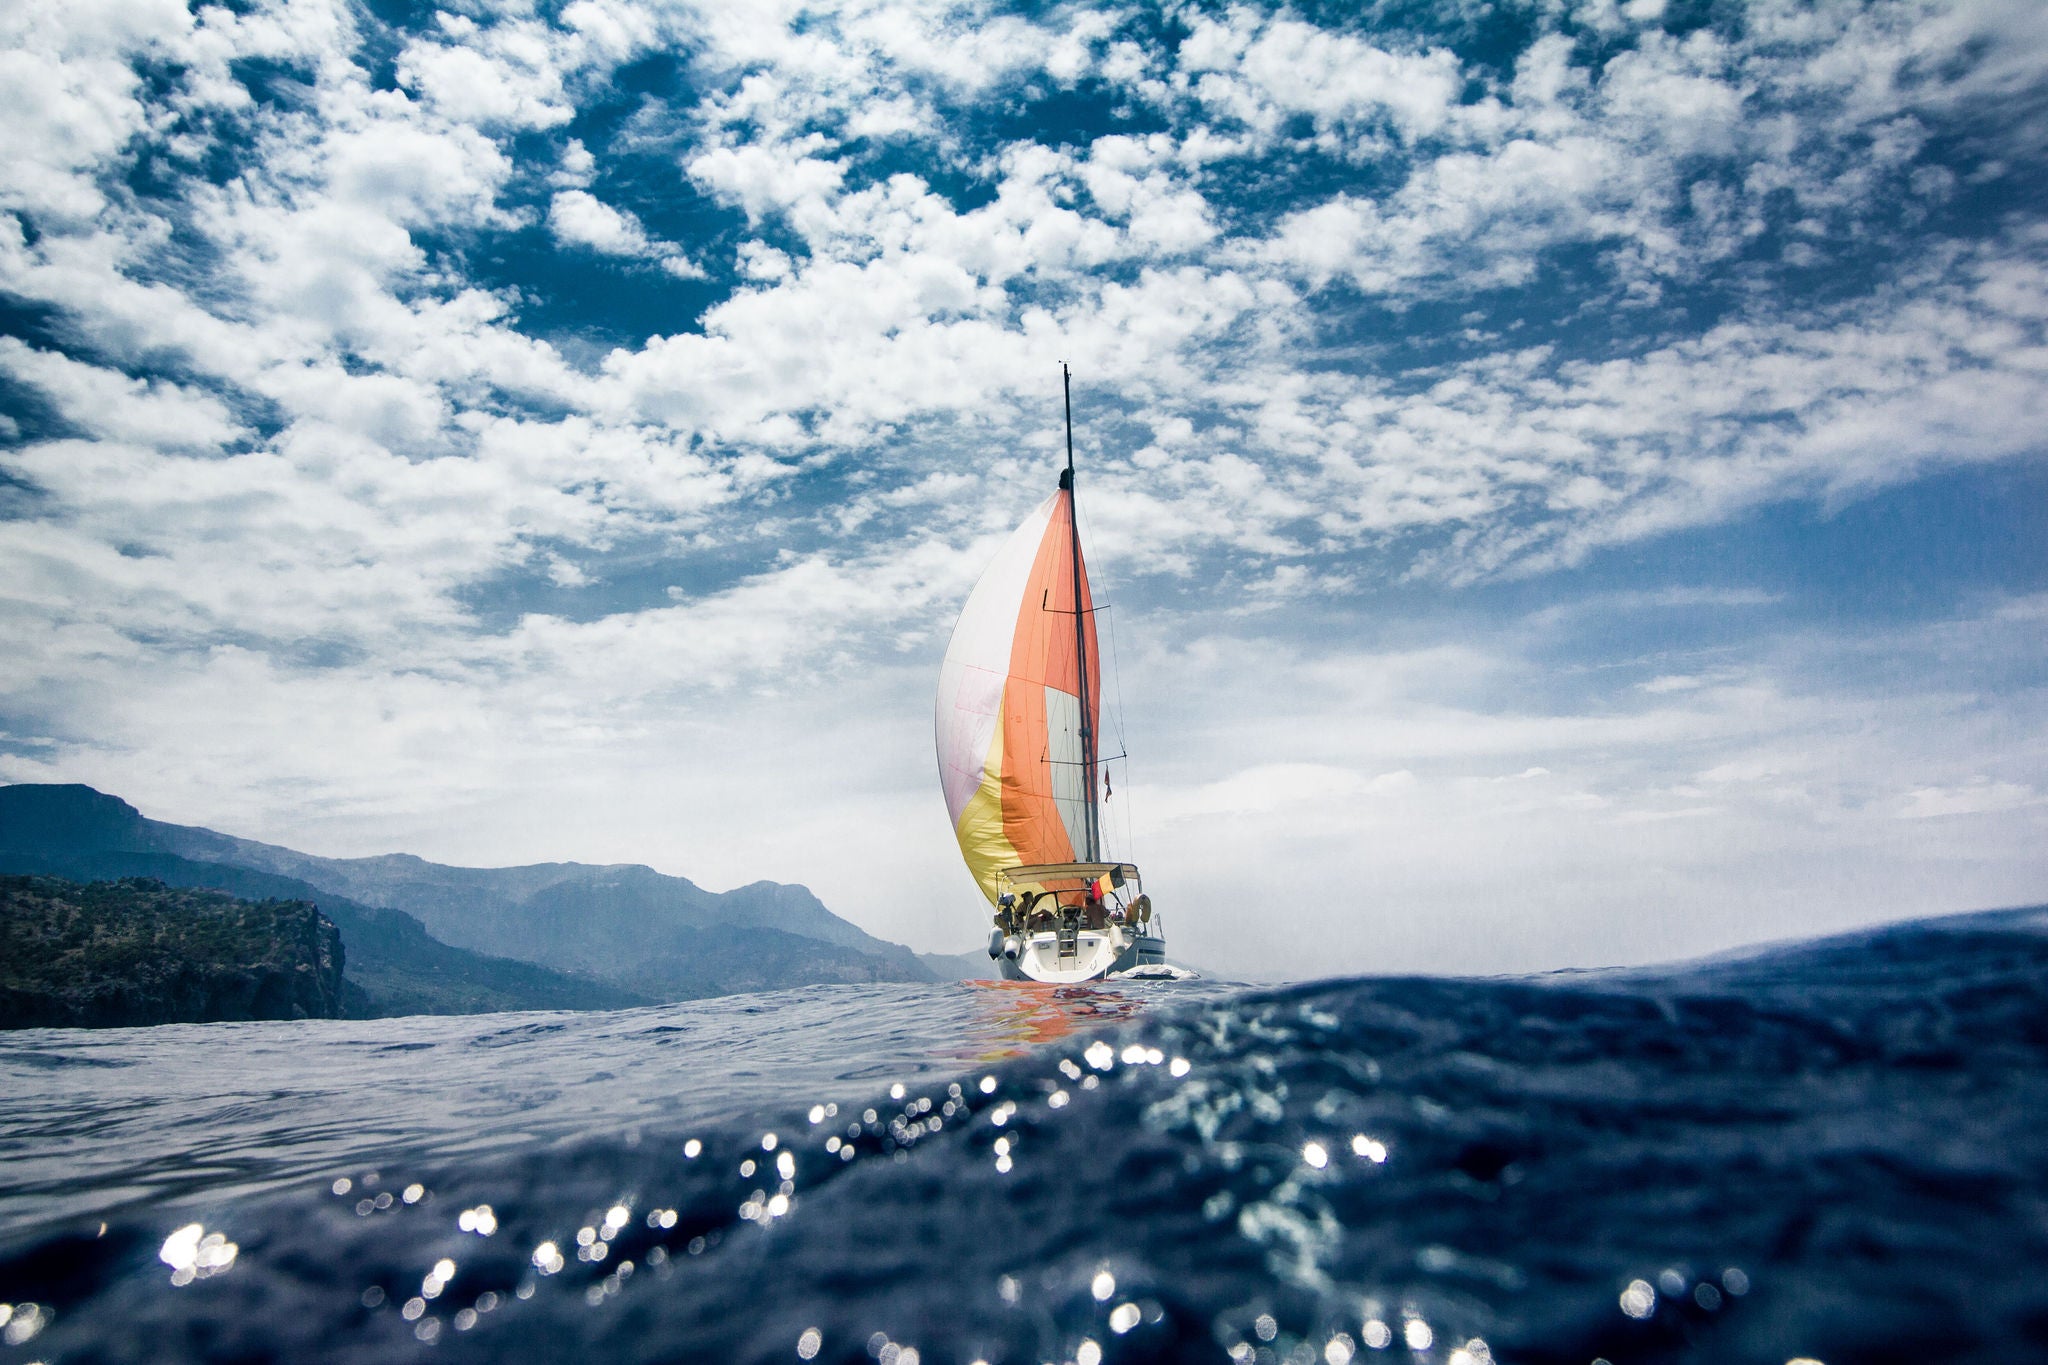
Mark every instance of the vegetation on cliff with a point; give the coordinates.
(136, 951)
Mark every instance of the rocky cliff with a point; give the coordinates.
(111, 954)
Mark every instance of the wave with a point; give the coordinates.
(1829, 1151)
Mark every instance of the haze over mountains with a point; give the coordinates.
(423, 937)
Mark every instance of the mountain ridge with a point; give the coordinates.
(475, 907)
(398, 965)
(624, 932)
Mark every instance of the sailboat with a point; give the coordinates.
(1019, 713)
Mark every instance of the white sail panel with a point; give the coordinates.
(1064, 754)
(978, 661)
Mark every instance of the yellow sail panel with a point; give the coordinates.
(983, 843)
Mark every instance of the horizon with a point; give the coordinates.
(1568, 479)
(1733, 951)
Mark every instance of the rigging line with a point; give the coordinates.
(1100, 611)
(1117, 714)
(1092, 801)
(1114, 714)
(1130, 827)
(1123, 743)
(1116, 675)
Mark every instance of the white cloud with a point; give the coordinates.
(109, 404)
(1672, 682)
(578, 167)
(1258, 70)
(1405, 811)
(68, 96)
(504, 75)
(765, 180)
(580, 219)
(1980, 797)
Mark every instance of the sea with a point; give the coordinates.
(1833, 1151)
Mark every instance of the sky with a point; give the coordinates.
(1566, 477)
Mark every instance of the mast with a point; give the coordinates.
(1090, 822)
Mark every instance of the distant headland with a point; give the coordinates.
(134, 951)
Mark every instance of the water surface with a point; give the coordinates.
(1830, 1151)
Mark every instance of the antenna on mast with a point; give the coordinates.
(1067, 389)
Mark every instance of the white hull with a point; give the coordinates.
(1089, 955)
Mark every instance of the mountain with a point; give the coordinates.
(83, 835)
(976, 965)
(121, 953)
(591, 916)
(622, 928)
(399, 966)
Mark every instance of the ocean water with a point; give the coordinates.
(1834, 1152)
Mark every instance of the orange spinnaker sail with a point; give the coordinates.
(1009, 714)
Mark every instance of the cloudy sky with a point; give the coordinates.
(1568, 476)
